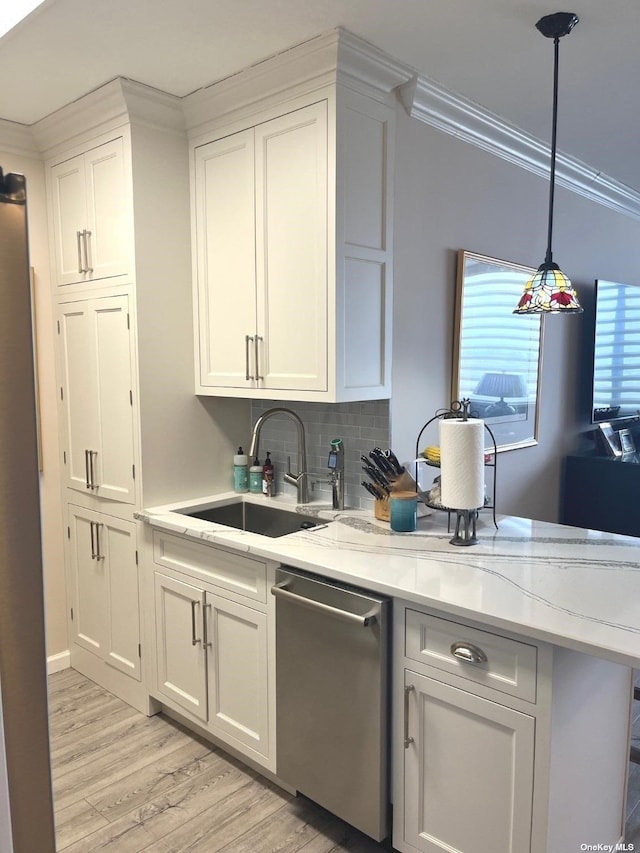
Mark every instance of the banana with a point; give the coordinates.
(432, 453)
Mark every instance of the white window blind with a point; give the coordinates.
(616, 379)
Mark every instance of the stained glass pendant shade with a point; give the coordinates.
(549, 291)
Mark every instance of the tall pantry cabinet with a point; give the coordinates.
(118, 197)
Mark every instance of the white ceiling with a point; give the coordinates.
(487, 50)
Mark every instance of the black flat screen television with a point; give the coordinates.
(616, 352)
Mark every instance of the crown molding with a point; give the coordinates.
(451, 113)
(18, 139)
(112, 105)
(334, 57)
(368, 70)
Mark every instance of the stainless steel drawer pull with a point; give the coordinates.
(257, 351)
(408, 690)
(92, 479)
(86, 235)
(468, 653)
(86, 469)
(194, 640)
(205, 625)
(93, 543)
(81, 269)
(280, 591)
(247, 341)
(99, 556)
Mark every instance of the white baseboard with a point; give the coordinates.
(56, 663)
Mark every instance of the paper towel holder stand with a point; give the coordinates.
(465, 529)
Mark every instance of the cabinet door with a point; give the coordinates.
(468, 772)
(69, 213)
(116, 543)
(291, 249)
(78, 391)
(180, 652)
(108, 242)
(111, 339)
(225, 256)
(88, 573)
(97, 397)
(104, 583)
(236, 638)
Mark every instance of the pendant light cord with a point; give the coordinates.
(554, 130)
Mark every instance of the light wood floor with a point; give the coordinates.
(126, 783)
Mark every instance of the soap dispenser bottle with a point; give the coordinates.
(241, 471)
(255, 477)
(268, 477)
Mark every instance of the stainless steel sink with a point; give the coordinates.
(255, 518)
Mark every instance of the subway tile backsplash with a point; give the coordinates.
(361, 426)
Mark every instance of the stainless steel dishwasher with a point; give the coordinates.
(332, 702)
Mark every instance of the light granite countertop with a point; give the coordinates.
(575, 588)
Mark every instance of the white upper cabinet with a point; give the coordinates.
(225, 234)
(291, 251)
(89, 207)
(261, 214)
(292, 228)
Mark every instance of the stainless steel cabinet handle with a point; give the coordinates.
(85, 236)
(93, 544)
(81, 269)
(468, 653)
(280, 591)
(247, 341)
(257, 351)
(92, 480)
(99, 556)
(86, 468)
(205, 624)
(408, 690)
(194, 640)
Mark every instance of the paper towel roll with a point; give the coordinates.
(462, 463)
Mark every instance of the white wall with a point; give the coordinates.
(50, 503)
(450, 195)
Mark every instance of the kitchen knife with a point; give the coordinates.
(372, 470)
(377, 476)
(381, 462)
(392, 460)
(372, 490)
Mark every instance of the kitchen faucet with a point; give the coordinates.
(298, 480)
(335, 464)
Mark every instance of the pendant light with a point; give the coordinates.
(549, 291)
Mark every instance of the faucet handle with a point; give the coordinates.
(335, 461)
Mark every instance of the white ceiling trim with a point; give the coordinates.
(18, 139)
(451, 113)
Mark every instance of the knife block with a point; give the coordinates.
(403, 483)
(381, 509)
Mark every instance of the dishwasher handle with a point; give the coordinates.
(364, 621)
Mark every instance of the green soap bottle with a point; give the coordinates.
(255, 477)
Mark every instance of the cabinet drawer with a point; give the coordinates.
(510, 665)
(241, 575)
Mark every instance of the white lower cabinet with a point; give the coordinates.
(468, 771)
(105, 617)
(503, 744)
(212, 655)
